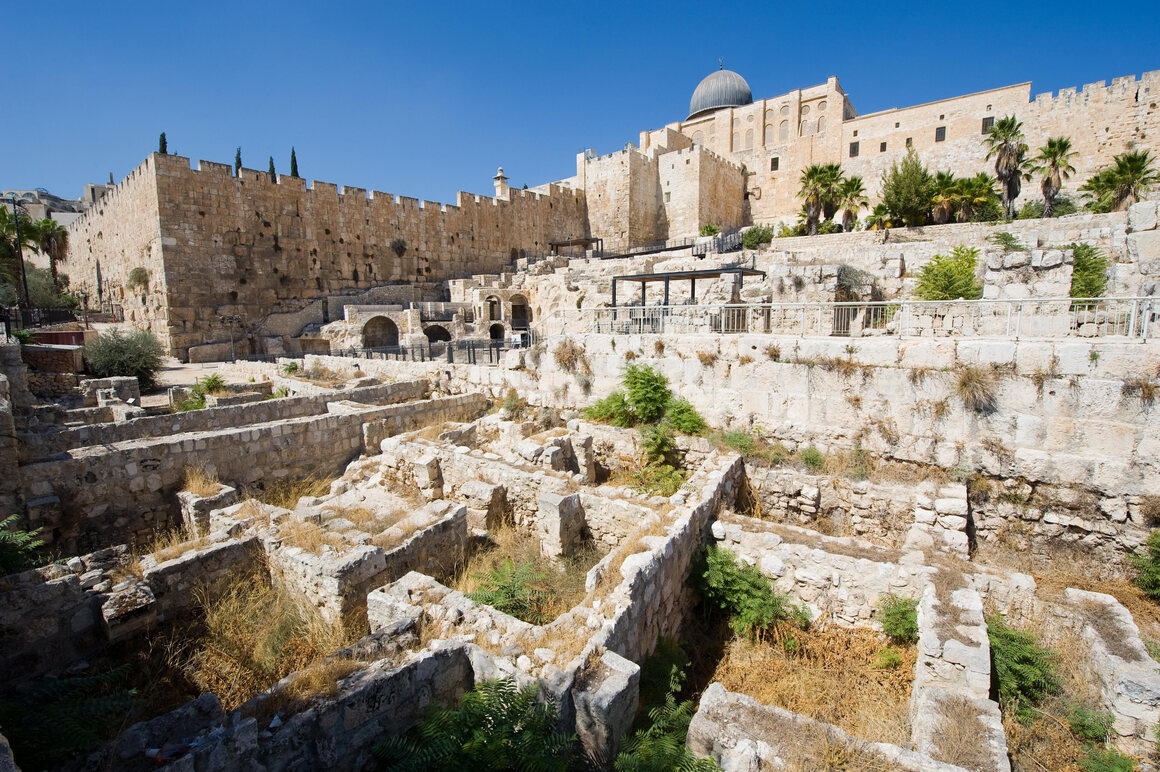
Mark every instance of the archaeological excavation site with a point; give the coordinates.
(608, 474)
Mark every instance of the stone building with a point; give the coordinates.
(217, 256)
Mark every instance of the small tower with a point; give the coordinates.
(501, 186)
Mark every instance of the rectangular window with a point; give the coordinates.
(855, 132)
(940, 134)
(668, 197)
(853, 149)
(882, 147)
(774, 163)
(987, 124)
(897, 124)
(909, 141)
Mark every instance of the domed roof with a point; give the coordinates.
(723, 88)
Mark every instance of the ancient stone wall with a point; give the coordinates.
(9, 453)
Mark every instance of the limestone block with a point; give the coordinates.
(560, 519)
(1142, 216)
(606, 704)
(1017, 259)
(129, 611)
(951, 506)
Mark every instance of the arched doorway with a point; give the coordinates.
(496, 332)
(521, 314)
(380, 332)
(494, 309)
(437, 334)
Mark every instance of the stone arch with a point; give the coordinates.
(496, 331)
(822, 125)
(521, 313)
(783, 131)
(749, 139)
(769, 134)
(698, 138)
(380, 332)
(494, 308)
(437, 333)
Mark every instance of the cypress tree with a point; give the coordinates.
(293, 163)
(238, 162)
(273, 174)
(162, 145)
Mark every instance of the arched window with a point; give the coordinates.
(821, 125)
(783, 131)
(698, 138)
(784, 110)
(749, 139)
(736, 142)
(769, 134)
(521, 313)
(496, 332)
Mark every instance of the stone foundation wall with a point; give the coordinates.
(50, 385)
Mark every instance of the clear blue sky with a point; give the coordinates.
(424, 99)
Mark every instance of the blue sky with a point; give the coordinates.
(424, 99)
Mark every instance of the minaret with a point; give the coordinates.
(501, 186)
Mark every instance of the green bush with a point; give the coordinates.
(656, 442)
(684, 417)
(137, 354)
(1094, 726)
(498, 726)
(647, 392)
(139, 277)
(1089, 276)
(907, 189)
(19, 550)
(756, 236)
(23, 337)
(812, 458)
(710, 230)
(660, 746)
(1105, 760)
(740, 440)
(290, 368)
(1008, 242)
(829, 226)
(508, 589)
(1148, 567)
(888, 659)
(742, 592)
(949, 277)
(899, 618)
(1025, 670)
(613, 409)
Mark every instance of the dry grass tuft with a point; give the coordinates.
(745, 359)
(976, 386)
(201, 482)
(570, 357)
(830, 676)
(958, 736)
(773, 353)
(309, 536)
(285, 493)
(707, 358)
(845, 367)
(1145, 389)
(917, 375)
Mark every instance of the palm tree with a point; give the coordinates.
(971, 193)
(851, 198)
(813, 190)
(9, 261)
(879, 219)
(832, 179)
(51, 238)
(943, 200)
(1054, 163)
(1116, 187)
(1005, 143)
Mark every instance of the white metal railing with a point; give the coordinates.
(1128, 317)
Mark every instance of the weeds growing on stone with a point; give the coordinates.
(976, 387)
(286, 491)
(201, 482)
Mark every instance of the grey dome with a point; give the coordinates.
(723, 88)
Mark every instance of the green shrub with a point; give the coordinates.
(1008, 242)
(1148, 567)
(742, 592)
(210, 384)
(756, 236)
(658, 479)
(1089, 276)
(498, 726)
(280, 392)
(812, 458)
(613, 409)
(508, 589)
(139, 277)
(19, 550)
(660, 746)
(514, 404)
(1105, 760)
(888, 659)
(684, 417)
(710, 230)
(656, 442)
(647, 392)
(949, 277)
(739, 440)
(829, 226)
(1025, 670)
(899, 618)
(23, 337)
(290, 368)
(137, 354)
(1094, 726)
(60, 718)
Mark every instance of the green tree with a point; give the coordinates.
(818, 183)
(162, 145)
(498, 726)
(1054, 163)
(907, 189)
(879, 218)
(974, 196)
(851, 198)
(293, 163)
(1006, 144)
(271, 172)
(51, 239)
(10, 267)
(1116, 187)
(943, 201)
(950, 277)
(238, 162)
(137, 354)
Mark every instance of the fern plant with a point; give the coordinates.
(1094, 726)
(647, 392)
(613, 409)
(497, 727)
(743, 592)
(660, 746)
(54, 720)
(949, 277)
(684, 417)
(1026, 670)
(899, 618)
(1105, 760)
(509, 589)
(19, 550)
(1148, 567)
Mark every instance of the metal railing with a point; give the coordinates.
(472, 352)
(24, 318)
(1131, 317)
